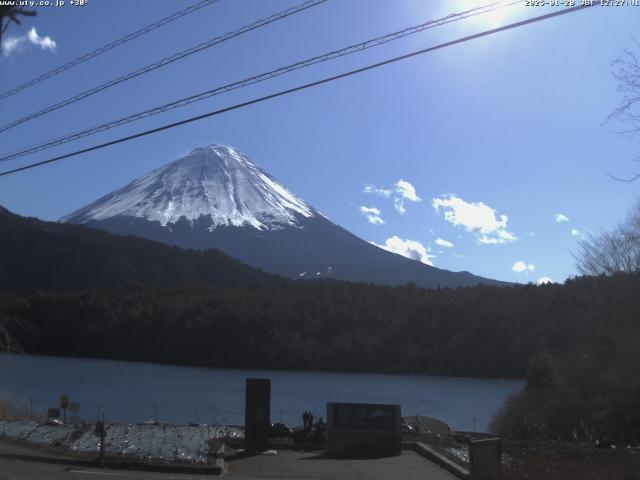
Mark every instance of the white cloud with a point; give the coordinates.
(12, 43)
(412, 249)
(561, 217)
(444, 243)
(383, 192)
(476, 218)
(543, 280)
(404, 189)
(521, 266)
(45, 43)
(372, 214)
(576, 233)
(502, 236)
(407, 191)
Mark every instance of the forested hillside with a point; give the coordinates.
(482, 331)
(51, 256)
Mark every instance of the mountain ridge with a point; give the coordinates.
(216, 197)
(40, 255)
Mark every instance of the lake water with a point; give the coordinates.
(133, 392)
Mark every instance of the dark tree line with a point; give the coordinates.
(589, 393)
(578, 343)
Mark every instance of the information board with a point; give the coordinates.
(363, 429)
(364, 416)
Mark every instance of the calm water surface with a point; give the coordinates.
(134, 392)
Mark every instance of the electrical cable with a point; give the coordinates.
(107, 47)
(375, 42)
(164, 62)
(300, 87)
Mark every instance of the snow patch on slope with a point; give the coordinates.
(214, 180)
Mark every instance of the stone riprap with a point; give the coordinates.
(142, 441)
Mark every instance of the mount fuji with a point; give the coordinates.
(216, 197)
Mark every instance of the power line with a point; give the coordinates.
(165, 61)
(107, 47)
(260, 78)
(301, 87)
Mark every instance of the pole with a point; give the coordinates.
(98, 412)
(103, 434)
(474, 424)
(155, 407)
(30, 409)
(281, 421)
(213, 412)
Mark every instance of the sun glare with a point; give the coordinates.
(485, 14)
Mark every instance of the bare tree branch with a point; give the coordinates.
(614, 251)
(630, 179)
(12, 13)
(626, 70)
(8, 343)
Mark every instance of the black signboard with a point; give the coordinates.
(485, 459)
(257, 420)
(53, 413)
(360, 416)
(363, 429)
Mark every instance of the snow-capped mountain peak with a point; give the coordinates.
(215, 181)
(217, 198)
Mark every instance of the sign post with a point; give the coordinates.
(64, 403)
(101, 432)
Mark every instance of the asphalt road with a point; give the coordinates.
(293, 465)
(286, 465)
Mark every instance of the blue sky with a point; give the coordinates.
(463, 157)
